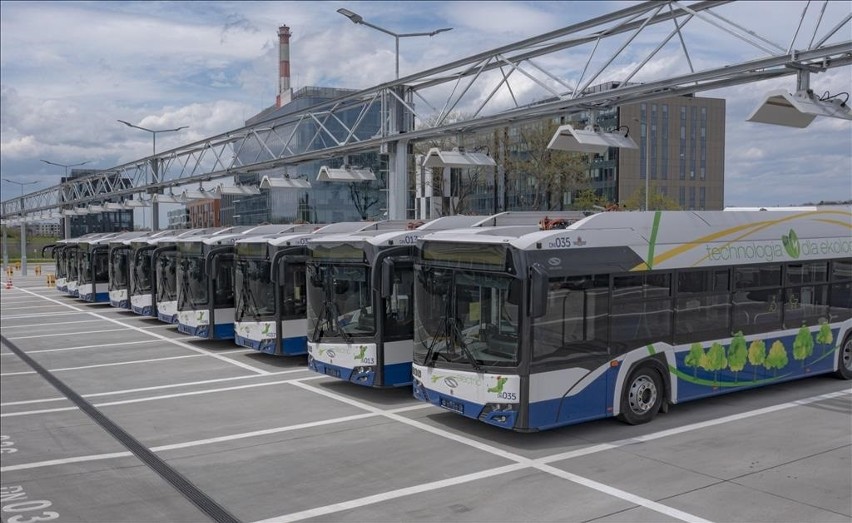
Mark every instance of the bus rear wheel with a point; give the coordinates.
(844, 359)
(642, 396)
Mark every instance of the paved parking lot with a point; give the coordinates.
(182, 425)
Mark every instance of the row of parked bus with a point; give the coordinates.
(526, 321)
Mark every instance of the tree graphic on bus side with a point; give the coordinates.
(756, 355)
(777, 357)
(803, 345)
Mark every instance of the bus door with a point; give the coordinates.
(219, 270)
(288, 276)
(119, 284)
(393, 298)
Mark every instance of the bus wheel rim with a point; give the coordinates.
(643, 395)
(847, 354)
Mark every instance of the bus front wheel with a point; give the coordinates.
(642, 396)
(844, 357)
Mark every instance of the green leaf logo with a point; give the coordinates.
(791, 243)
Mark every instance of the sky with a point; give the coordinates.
(70, 70)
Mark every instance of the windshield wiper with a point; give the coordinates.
(246, 295)
(336, 312)
(444, 328)
(460, 337)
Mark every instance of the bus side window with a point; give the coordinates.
(574, 329)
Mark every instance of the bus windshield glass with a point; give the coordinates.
(142, 272)
(71, 263)
(339, 303)
(466, 318)
(61, 257)
(255, 296)
(118, 269)
(166, 277)
(193, 283)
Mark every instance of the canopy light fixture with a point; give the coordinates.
(200, 194)
(284, 182)
(798, 109)
(345, 174)
(588, 140)
(238, 190)
(457, 158)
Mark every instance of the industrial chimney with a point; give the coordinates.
(284, 91)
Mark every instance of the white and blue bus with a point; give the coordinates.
(120, 267)
(271, 299)
(624, 313)
(152, 278)
(67, 262)
(360, 301)
(205, 280)
(93, 266)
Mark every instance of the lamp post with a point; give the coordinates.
(155, 211)
(358, 19)
(23, 231)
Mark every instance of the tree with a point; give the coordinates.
(777, 357)
(803, 345)
(824, 336)
(588, 199)
(364, 197)
(756, 355)
(737, 354)
(542, 176)
(694, 358)
(716, 360)
(656, 200)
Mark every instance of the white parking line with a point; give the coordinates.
(156, 398)
(41, 315)
(99, 346)
(160, 336)
(55, 334)
(540, 464)
(113, 364)
(208, 441)
(156, 387)
(31, 325)
(33, 307)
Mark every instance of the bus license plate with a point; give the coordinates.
(452, 405)
(331, 371)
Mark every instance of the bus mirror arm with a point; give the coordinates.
(538, 291)
(210, 261)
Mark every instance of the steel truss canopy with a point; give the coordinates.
(554, 74)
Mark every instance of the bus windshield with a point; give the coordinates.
(142, 272)
(193, 283)
(166, 277)
(339, 303)
(71, 263)
(466, 317)
(118, 269)
(61, 257)
(255, 296)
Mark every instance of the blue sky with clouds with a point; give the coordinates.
(71, 69)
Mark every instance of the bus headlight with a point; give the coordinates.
(501, 414)
(363, 373)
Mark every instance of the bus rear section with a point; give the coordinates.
(623, 314)
(270, 294)
(360, 301)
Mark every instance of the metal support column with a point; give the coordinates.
(155, 206)
(23, 247)
(397, 180)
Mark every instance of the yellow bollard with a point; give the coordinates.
(17, 266)
(38, 270)
(51, 280)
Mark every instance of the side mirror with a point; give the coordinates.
(281, 273)
(210, 265)
(539, 286)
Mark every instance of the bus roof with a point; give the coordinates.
(672, 239)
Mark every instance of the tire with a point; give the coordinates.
(844, 360)
(642, 396)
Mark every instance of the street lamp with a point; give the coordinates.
(23, 232)
(155, 211)
(358, 19)
(154, 131)
(65, 166)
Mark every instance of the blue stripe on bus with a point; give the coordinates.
(167, 318)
